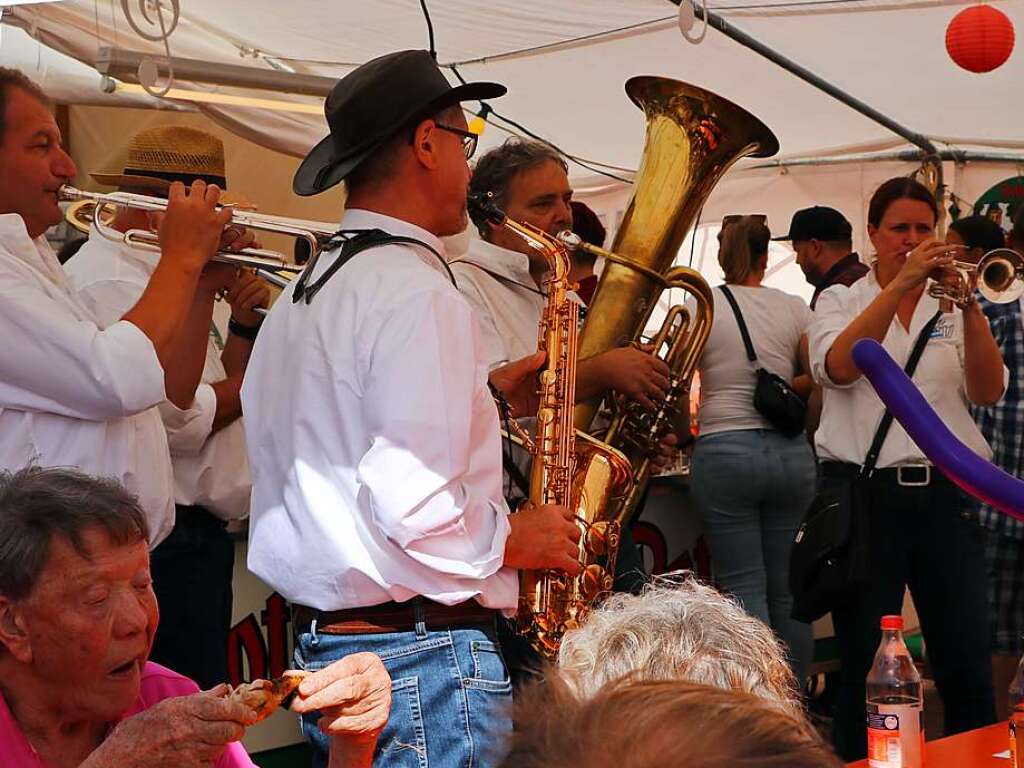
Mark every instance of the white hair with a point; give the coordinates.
(677, 629)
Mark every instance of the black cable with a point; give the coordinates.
(430, 29)
(572, 158)
(693, 235)
(522, 128)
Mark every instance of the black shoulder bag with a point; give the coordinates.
(830, 557)
(774, 398)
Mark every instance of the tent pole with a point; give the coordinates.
(929, 152)
(908, 156)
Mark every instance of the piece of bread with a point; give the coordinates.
(264, 696)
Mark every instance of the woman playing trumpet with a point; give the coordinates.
(916, 529)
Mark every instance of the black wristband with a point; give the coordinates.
(243, 331)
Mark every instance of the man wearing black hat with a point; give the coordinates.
(823, 241)
(373, 437)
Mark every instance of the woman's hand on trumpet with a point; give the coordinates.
(928, 259)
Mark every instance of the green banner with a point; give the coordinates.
(1000, 203)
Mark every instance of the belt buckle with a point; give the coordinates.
(914, 483)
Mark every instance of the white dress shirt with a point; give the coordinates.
(71, 394)
(211, 469)
(506, 300)
(851, 413)
(373, 438)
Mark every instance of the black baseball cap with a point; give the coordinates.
(818, 223)
(371, 104)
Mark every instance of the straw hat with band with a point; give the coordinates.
(371, 104)
(159, 156)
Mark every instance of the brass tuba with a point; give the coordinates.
(693, 137)
(571, 469)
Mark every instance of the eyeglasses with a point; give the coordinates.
(468, 139)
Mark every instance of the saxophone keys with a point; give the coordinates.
(596, 539)
(593, 581)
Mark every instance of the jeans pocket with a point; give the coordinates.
(489, 670)
(403, 742)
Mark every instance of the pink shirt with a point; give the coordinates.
(158, 683)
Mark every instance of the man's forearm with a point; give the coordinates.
(229, 401)
(347, 752)
(185, 371)
(161, 311)
(591, 379)
(235, 356)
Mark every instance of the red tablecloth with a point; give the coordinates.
(973, 749)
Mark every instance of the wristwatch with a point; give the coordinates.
(244, 331)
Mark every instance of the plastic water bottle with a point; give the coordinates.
(1017, 718)
(895, 703)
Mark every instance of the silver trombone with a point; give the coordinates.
(312, 232)
(998, 276)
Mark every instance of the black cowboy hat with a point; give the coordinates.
(370, 104)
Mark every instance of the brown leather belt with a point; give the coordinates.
(390, 617)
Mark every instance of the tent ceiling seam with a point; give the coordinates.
(652, 26)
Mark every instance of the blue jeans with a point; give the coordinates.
(752, 487)
(450, 689)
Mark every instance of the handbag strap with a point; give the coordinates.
(751, 355)
(883, 426)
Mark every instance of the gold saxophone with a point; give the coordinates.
(693, 137)
(570, 469)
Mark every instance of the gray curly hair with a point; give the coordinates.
(677, 629)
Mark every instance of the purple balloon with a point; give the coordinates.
(959, 463)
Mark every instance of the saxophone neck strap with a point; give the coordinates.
(352, 243)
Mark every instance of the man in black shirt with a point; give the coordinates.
(823, 241)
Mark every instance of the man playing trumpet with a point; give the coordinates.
(74, 392)
(192, 569)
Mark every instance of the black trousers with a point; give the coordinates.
(924, 538)
(192, 570)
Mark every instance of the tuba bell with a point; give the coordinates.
(693, 138)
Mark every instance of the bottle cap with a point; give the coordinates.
(892, 622)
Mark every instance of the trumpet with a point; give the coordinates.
(312, 232)
(998, 276)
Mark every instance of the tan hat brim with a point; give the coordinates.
(136, 182)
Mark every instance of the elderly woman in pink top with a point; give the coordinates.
(77, 617)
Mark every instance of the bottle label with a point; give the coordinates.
(895, 735)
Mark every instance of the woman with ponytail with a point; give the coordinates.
(751, 483)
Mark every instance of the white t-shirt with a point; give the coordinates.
(775, 321)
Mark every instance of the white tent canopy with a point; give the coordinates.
(565, 65)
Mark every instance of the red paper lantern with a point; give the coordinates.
(980, 38)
